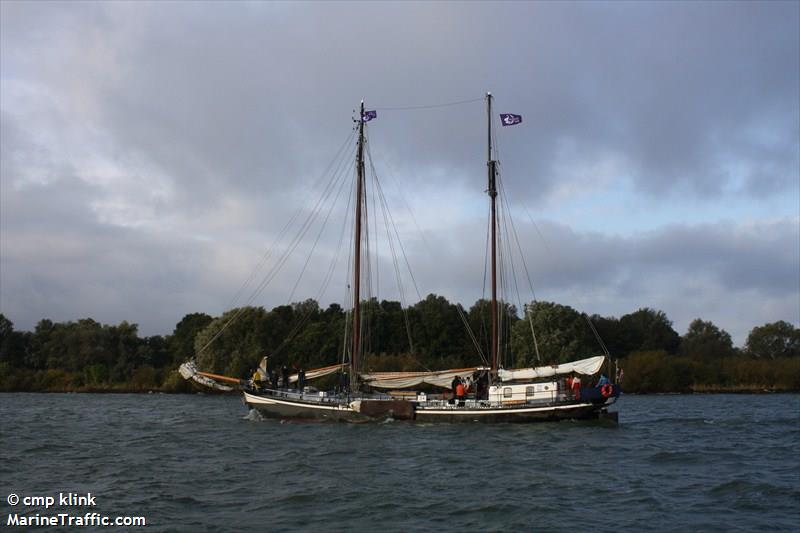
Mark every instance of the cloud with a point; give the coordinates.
(149, 152)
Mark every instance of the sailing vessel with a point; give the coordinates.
(496, 394)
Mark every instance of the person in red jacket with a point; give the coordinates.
(460, 394)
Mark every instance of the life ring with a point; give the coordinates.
(607, 390)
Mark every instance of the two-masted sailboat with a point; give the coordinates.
(495, 394)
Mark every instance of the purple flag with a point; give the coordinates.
(509, 119)
(366, 116)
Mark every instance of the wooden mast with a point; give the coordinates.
(492, 191)
(354, 360)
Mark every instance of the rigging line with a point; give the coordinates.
(316, 241)
(525, 266)
(530, 283)
(304, 319)
(515, 234)
(277, 267)
(407, 205)
(398, 276)
(366, 332)
(387, 222)
(597, 335)
(430, 106)
(271, 249)
(503, 275)
(535, 225)
(481, 314)
(375, 240)
(282, 261)
(347, 293)
(399, 241)
(326, 280)
(471, 334)
(508, 220)
(385, 206)
(307, 224)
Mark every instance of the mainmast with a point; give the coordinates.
(492, 191)
(354, 360)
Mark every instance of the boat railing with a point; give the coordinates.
(318, 396)
(552, 398)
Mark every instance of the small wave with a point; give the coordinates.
(253, 416)
(746, 488)
(675, 457)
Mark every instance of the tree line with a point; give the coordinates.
(85, 355)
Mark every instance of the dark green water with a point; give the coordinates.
(198, 463)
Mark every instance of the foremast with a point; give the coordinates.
(492, 191)
(359, 204)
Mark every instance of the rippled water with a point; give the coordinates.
(202, 463)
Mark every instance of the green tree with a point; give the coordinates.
(611, 332)
(562, 334)
(774, 340)
(233, 347)
(704, 340)
(439, 334)
(181, 342)
(647, 330)
(657, 371)
(14, 345)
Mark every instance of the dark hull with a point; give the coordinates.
(272, 406)
(288, 407)
(512, 415)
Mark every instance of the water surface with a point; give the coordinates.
(203, 463)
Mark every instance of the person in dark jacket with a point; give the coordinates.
(453, 385)
(301, 379)
(285, 377)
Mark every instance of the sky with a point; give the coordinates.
(152, 153)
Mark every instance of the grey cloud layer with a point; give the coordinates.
(139, 140)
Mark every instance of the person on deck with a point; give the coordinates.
(460, 394)
(301, 379)
(483, 386)
(456, 381)
(602, 381)
(576, 388)
(256, 379)
(285, 377)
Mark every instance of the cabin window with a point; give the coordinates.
(529, 391)
(507, 392)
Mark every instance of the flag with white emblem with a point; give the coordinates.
(509, 119)
(366, 116)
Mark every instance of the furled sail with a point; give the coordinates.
(189, 371)
(404, 380)
(587, 367)
(318, 372)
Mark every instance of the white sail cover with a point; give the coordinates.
(189, 371)
(318, 372)
(404, 380)
(584, 366)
